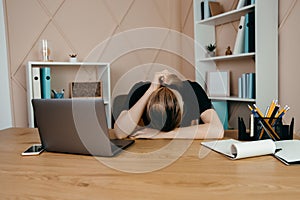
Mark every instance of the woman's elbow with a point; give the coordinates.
(119, 134)
(216, 131)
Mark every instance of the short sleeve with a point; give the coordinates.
(203, 100)
(136, 92)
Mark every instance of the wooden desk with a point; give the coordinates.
(63, 176)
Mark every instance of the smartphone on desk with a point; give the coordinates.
(35, 149)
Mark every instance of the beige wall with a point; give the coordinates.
(79, 26)
(289, 70)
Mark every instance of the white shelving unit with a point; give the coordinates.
(266, 48)
(63, 73)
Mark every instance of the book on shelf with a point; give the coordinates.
(36, 83)
(249, 39)
(246, 86)
(235, 3)
(218, 83)
(239, 42)
(250, 2)
(215, 8)
(206, 8)
(45, 82)
(202, 10)
(241, 4)
(251, 86)
(240, 86)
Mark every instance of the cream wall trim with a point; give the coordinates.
(5, 105)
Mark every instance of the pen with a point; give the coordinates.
(267, 110)
(286, 108)
(267, 127)
(251, 125)
(281, 114)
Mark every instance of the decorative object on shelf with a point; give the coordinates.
(211, 49)
(228, 51)
(86, 89)
(58, 95)
(45, 50)
(73, 58)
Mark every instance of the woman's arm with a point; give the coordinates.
(212, 128)
(128, 120)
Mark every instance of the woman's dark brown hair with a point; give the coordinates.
(163, 110)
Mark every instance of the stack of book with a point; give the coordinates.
(246, 86)
(41, 83)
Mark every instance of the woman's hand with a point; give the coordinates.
(145, 133)
(159, 78)
(149, 133)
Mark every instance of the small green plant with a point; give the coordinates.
(211, 47)
(73, 55)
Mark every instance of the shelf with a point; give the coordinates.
(66, 72)
(232, 98)
(229, 57)
(39, 63)
(227, 17)
(261, 62)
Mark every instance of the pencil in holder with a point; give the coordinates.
(265, 128)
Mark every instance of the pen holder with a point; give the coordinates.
(276, 130)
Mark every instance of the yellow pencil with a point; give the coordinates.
(272, 106)
(258, 110)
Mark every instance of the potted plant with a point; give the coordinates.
(73, 57)
(211, 49)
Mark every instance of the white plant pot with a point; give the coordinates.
(73, 59)
(211, 54)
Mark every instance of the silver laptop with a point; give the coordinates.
(76, 126)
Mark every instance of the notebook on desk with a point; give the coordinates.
(287, 151)
(77, 126)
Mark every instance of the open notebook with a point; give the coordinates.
(287, 151)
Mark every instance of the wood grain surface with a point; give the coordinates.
(208, 176)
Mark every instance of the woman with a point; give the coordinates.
(168, 108)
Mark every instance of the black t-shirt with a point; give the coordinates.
(194, 98)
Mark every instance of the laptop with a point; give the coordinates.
(76, 126)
